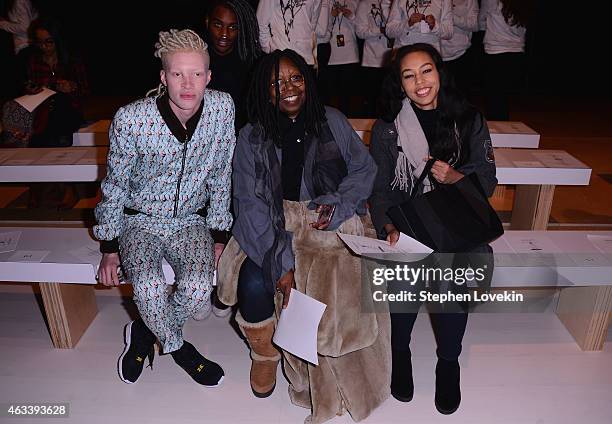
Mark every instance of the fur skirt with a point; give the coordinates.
(354, 347)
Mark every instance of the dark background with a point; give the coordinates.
(566, 49)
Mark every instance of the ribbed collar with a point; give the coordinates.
(181, 134)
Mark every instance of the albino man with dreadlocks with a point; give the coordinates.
(167, 185)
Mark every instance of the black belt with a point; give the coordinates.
(132, 212)
(218, 236)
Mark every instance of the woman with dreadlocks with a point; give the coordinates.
(295, 159)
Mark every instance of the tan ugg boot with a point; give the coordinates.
(264, 356)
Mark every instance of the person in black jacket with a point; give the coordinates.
(423, 117)
(232, 33)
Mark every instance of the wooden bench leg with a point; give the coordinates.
(70, 309)
(499, 192)
(531, 209)
(586, 312)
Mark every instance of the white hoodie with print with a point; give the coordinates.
(465, 21)
(344, 47)
(372, 15)
(500, 37)
(404, 34)
(291, 24)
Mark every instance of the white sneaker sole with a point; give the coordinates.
(216, 385)
(127, 338)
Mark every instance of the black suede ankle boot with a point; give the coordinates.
(448, 392)
(402, 386)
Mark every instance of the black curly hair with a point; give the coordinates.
(452, 106)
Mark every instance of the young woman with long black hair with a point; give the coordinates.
(424, 116)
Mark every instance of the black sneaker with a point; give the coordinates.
(139, 342)
(203, 371)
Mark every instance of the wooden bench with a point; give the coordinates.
(534, 172)
(511, 134)
(94, 134)
(67, 275)
(59, 164)
(583, 271)
(503, 133)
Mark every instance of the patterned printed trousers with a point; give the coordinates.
(189, 251)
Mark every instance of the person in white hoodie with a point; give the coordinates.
(342, 70)
(15, 19)
(20, 15)
(454, 50)
(420, 21)
(371, 26)
(323, 44)
(291, 24)
(505, 24)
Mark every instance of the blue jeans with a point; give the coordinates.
(255, 300)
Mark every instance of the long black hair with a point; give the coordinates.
(455, 114)
(260, 108)
(53, 27)
(249, 48)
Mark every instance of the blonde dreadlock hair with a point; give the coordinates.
(173, 41)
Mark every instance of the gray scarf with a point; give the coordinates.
(412, 148)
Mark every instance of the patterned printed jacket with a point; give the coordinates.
(164, 171)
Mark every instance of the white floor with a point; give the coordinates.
(516, 368)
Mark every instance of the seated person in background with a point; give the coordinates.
(49, 65)
(170, 155)
(294, 159)
(52, 122)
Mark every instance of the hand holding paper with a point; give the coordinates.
(364, 245)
